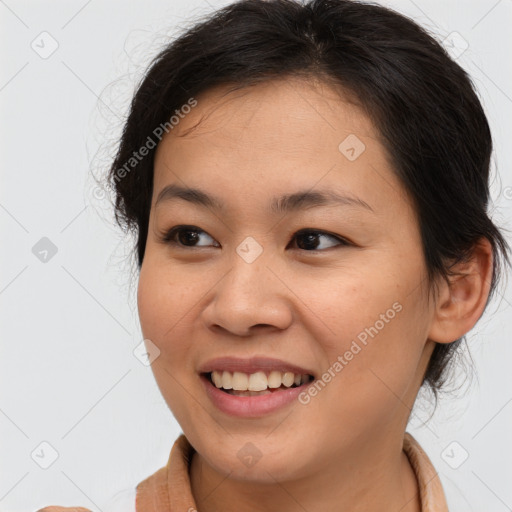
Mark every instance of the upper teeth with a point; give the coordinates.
(256, 381)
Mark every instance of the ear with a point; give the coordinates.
(460, 304)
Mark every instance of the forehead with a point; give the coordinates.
(281, 106)
(264, 139)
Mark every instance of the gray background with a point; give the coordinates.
(69, 325)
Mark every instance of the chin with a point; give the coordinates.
(249, 464)
(262, 472)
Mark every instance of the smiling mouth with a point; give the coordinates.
(256, 384)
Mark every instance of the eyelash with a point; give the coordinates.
(168, 237)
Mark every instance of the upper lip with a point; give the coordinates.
(251, 365)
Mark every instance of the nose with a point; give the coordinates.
(249, 298)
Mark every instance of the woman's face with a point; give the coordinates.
(346, 301)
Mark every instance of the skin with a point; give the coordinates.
(343, 450)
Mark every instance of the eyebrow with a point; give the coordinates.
(283, 204)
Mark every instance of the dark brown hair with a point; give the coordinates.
(422, 102)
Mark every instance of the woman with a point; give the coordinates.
(308, 185)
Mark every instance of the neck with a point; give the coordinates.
(378, 479)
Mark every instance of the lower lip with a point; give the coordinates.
(251, 406)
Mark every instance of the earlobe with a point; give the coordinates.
(460, 304)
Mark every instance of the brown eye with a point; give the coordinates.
(186, 236)
(309, 240)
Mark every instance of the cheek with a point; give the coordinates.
(379, 365)
(162, 299)
(378, 326)
(162, 309)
